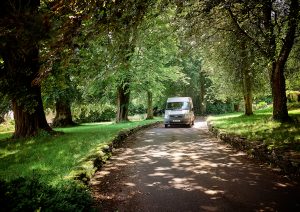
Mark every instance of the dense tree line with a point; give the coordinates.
(64, 53)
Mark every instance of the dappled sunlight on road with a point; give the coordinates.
(192, 171)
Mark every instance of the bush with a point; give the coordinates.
(293, 96)
(93, 113)
(219, 107)
(30, 194)
(260, 105)
(136, 109)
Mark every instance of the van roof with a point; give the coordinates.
(179, 99)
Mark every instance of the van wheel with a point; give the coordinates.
(166, 126)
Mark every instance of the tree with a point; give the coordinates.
(153, 61)
(272, 29)
(23, 28)
(123, 22)
(278, 24)
(59, 92)
(269, 26)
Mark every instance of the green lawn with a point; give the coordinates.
(6, 130)
(261, 127)
(55, 157)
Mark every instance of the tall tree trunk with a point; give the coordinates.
(149, 105)
(280, 111)
(123, 103)
(20, 53)
(27, 101)
(29, 123)
(63, 115)
(247, 91)
(202, 95)
(246, 76)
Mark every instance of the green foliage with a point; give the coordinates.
(4, 106)
(154, 60)
(292, 73)
(93, 113)
(219, 107)
(31, 194)
(260, 105)
(59, 86)
(137, 109)
(293, 96)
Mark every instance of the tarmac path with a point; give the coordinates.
(187, 169)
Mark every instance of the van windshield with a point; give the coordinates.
(178, 106)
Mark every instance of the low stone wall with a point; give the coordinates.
(286, 160)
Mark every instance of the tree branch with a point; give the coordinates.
(243, 32)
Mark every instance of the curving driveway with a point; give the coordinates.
(187, 169)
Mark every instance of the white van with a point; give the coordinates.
(179, 110)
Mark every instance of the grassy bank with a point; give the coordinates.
(6, 130)
(55, 157)
(261, 127)
(36, 173)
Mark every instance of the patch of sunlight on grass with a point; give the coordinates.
(260, 126)
(6, 130)
(5, 152)
(54, 157)
(294, 112)
(5, 135)
(97, 123)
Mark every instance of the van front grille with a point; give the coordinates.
(176, 116)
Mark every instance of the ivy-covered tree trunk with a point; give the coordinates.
(19, 49)
(123, 98)
(63, 115)
(149, 105)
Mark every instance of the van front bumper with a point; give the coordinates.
(174, 121)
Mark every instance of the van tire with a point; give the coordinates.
(166, 126)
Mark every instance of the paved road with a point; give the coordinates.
(187, 169)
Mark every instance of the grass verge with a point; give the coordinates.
(47, 164)
(261, 127)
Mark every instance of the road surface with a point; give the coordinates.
(187, 169)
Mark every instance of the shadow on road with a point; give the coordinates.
(186, 169)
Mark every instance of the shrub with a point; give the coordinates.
(260, 105)
(293, 96)
(219, 107)
(136, 109)
(93, 113)
(30, 194)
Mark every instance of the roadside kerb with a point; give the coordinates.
(94, 161)
(286, 161)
